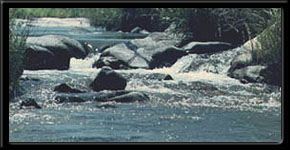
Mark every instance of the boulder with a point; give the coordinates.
(149, 52)
(52, 52)
(249, 74)
(166, 57)
(108, 79)
(64, 88)
(29, 103)
(206, 47)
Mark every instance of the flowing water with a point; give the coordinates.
(179, 110)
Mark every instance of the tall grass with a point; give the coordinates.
(16, 50)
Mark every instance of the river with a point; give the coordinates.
(176, 112)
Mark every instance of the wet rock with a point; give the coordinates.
(139, 30)
(150, 76)
(200, 87)
(29, 103)
(120, 56)
(166, 57)
(108, 79)
(206, 47)
(130, 97)
(136, 30)
(80, 30)
(249, 74)
(103, 96)
(105, 106)
(51, 52)
(122, 96)
(68, 99)
(156, 50)
(64, 88)
(113, 62)
(240, 61)
(28, 78)
(168, 77)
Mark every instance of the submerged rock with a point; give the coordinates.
(64, 88)
(29, 103)
(51, 52)
(104, 106)
(68, 99)
(122, 96)
(108, 79)
(80, 30)
(130, 97)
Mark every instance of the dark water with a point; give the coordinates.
(178, 110)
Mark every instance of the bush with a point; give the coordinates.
(233, 25)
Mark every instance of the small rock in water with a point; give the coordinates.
(130, 97)
(168, 77)
(64, 88)
(108, 79)
(28, 78)
(106, 106)
(29, 103)
(68, 99)
(122, 96)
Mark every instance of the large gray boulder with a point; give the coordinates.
(108, 79)
(51, 52)
(143, 53)
(206, 47)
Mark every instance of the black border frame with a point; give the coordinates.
(4, 127)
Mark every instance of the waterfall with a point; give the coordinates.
(81, 64)
(203, 67)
